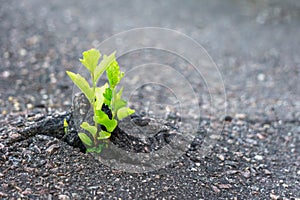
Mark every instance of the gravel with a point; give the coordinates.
(255, 45)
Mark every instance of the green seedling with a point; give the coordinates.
(106, 95)
(66, 125)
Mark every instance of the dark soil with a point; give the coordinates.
(256, 155)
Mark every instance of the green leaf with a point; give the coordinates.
(104, 64)
(100, 96)
(108, 96)
(103, 119)
(82, 84)
(124, 112)
(95, 149)
(104, 135)
(85, 139)
(65, 126)
(89, 128)
(114, 75)
(65, 123)
(119, 102)
(90, 59)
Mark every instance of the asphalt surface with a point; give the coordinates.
(255, 45)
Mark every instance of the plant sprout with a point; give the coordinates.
(100, 97)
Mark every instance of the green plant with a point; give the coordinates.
(99, 97)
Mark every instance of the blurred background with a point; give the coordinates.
(255, 44)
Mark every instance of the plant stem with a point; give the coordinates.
(94, 106)
(113, 103)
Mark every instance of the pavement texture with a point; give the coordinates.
(255, 45)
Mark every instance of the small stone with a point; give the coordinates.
(22, 52)
(247, 159)
(6, 54)
(258, 157)
(165, 188)
(273, 196)
(14, 136)
(33, 40)
(215, 137)
(285, 185)
(197, 164)
(215, 189)
(52, 148)
(240, 116)
(267, 172)
(29, 106)
(63, 197)
(2, 194)
(261, 77)
(5, 74)
(228, 118)
(260, 136)
(221, 157)
(266, 126)
(194, 169)
(10, 98)
(27, 191)
(224, 186)
(246, 174)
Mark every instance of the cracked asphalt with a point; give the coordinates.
(255, 45)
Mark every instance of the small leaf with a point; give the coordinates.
(108, 96)
(82, 84)
(114, 75)
(104, 64)
(103, 119)
(90, 59)
(124, 112)
(100, 96)
(91, 129)
(65, 126)
(65, 123)
(119, 102)
(104, 135)
(85, 139)
(95, 149)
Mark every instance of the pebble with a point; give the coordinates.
(267, 172)
(258, 157)
(29, 106)
(261, 77)
(22, 52)
(52, 148)
(14, 136)
(5, 74)
(2, 194)
(63, 197)
(228, 118)
(215, 189)
(215, 137)
(273, 196)
(193, 169)
(27, 191)
(240, 116)
(246, 174)
(221, 157)
(224, 186)
(6, 54)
